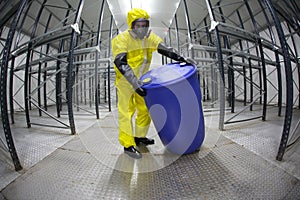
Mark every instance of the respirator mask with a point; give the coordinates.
(140, 27)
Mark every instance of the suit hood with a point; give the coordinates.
(136, 13)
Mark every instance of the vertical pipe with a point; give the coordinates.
(251, 82)
(169, 42)
(261, 52)
(297, 60)
(26, 85)
(230, 71)
(19, 32)
(289, 82)
(77, 92)
(90, 79)
(58, 76)
(82, 58)
(11, 89)
(3, 88)
(264, 77)
(28, 71)
(177, 34)
(39, 89)
(40, 64)
(84, 78)
(210, 43)
(220, 65)
(70, 66)
(243, 59)
(164, 58)
(44, 80)
(187, 19)
(268, 21)
(231, 83)
(45, 65)
(98, 44)
(108, 66)
(170, 37)
(278, 66)
(58, 83)
(11, 78)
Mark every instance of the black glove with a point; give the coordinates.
(173, 54)
(142, 92)
(137, 85)
(133, 80)
(127, 72)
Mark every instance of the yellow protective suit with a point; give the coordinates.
(139, 55)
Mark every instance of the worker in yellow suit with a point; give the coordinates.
(132, 51)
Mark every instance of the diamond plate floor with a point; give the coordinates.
(234, 164)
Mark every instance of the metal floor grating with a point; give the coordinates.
(234, 164)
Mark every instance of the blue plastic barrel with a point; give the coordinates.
(174, 102)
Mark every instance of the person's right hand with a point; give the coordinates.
(142, 92)
(138, 88)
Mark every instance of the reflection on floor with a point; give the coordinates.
(237, 163)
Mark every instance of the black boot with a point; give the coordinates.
(143, 140)
(132, 152)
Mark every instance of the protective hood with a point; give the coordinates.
(136, 13)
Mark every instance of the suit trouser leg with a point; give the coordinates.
(142, 121)
(126, 109)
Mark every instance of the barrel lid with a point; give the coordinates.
(167, 74)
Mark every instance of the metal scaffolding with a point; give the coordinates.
(61, 61)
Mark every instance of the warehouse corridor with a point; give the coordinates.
(234, 164)
(58, 99)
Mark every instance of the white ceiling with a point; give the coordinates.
(161, 12)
